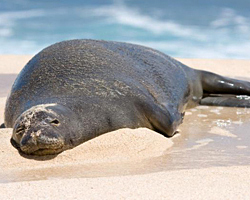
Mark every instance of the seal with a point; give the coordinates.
(76, 90)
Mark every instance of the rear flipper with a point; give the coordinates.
(229, 101)
(223, 91)
(2, 126)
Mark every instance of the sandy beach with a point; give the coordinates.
(208, 159)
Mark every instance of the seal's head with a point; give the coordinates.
(42, 130)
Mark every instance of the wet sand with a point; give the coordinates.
(208, 159)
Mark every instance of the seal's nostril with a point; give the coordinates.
(20, 130)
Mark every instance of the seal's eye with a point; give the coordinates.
(55, 122)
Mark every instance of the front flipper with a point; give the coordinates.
(2, 126)
(226, 100)
(223, 91)
(163, 119)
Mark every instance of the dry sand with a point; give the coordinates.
(125, 164)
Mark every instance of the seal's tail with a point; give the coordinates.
(224, 91)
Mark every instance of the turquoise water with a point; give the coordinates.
(184, 28)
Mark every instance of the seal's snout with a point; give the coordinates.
(39, 142)
(42, 130)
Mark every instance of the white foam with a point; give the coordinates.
(202, 115)
(222, 132)
(241, 147)
(222, 122)
(202, 107)
(216, 111)
(188, 113)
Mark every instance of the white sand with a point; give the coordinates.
(12, 64)
(2, 104)
(120, 147)
(125, 145)
(212, 183)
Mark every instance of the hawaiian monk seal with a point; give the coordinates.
(76, 90)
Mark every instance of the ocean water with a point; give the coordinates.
(181, 28)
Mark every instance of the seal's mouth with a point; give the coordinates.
(49, 150)
(46, 146)
(43, 152)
